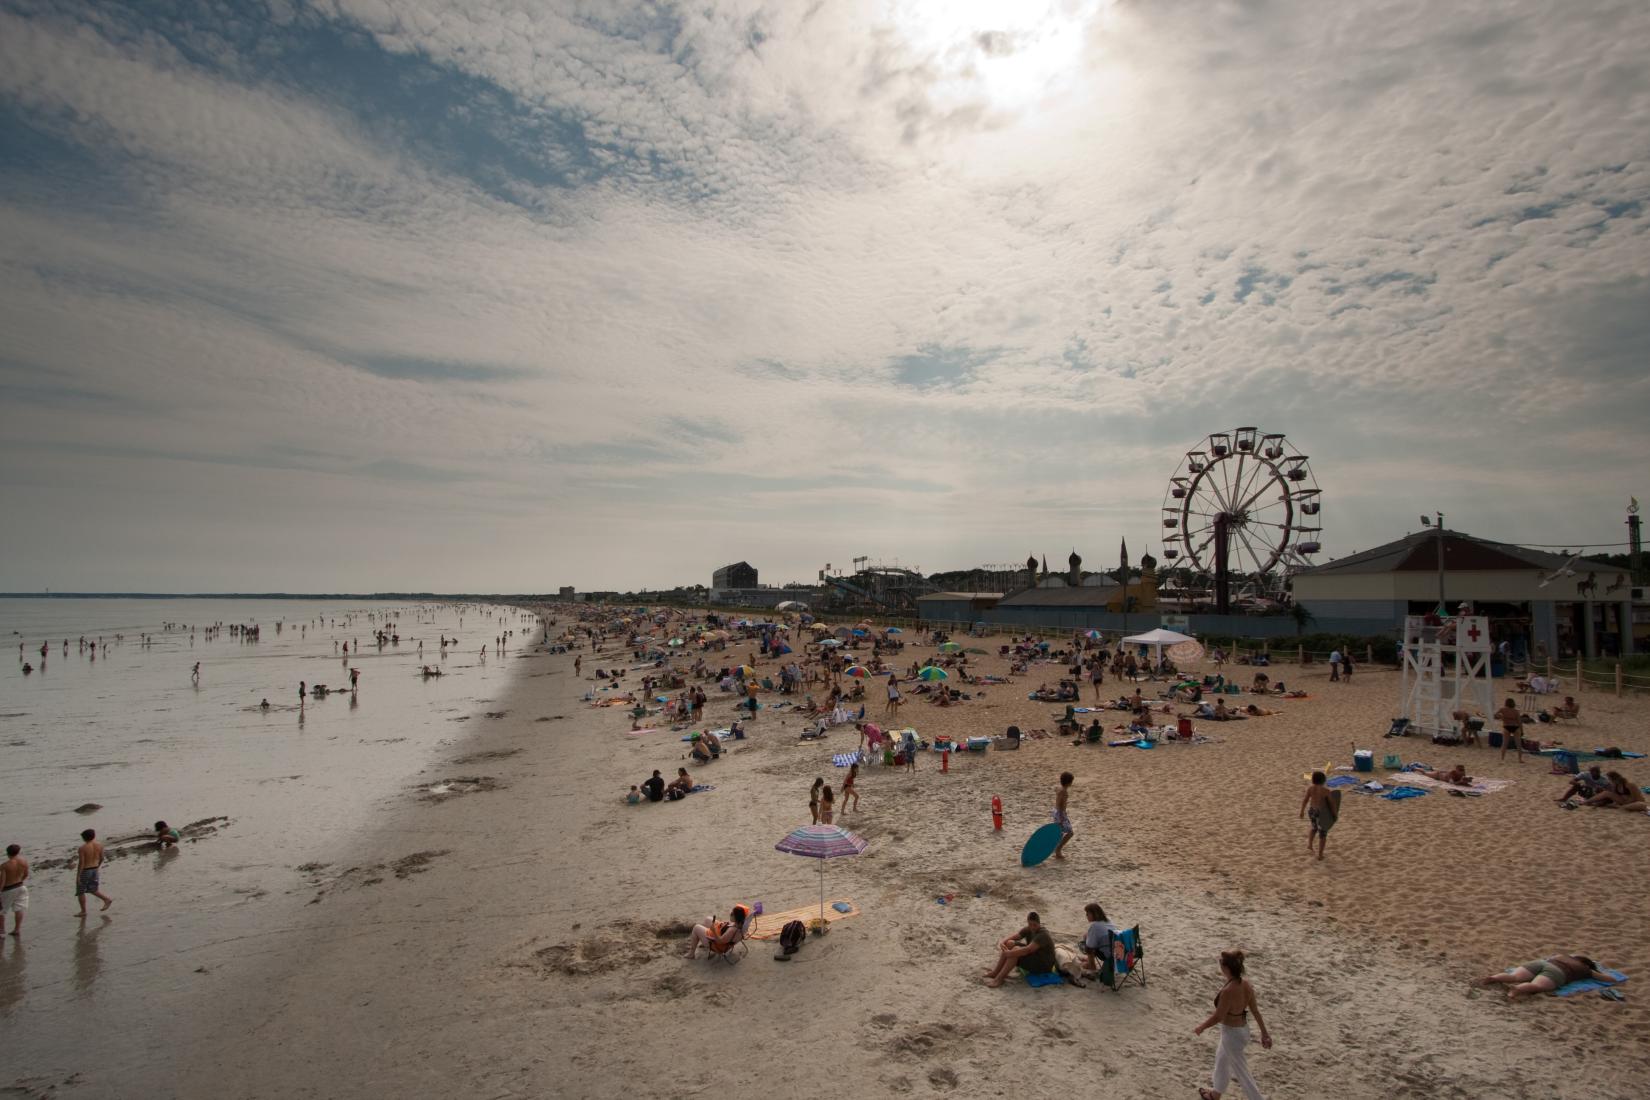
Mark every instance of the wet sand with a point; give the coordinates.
(519, 940)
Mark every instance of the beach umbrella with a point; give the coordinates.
(859, 633)
(859, 672)
(1092, 635)
(893, 630)
(830, 641)
(784, 649)
(951, 647)
(932, 673)
(843, 632)
(675, 641)
(744, 672)
(821, 842)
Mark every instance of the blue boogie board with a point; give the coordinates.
(1041, 845)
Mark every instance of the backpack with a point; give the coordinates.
(792, 935)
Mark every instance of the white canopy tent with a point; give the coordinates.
(1157, 639)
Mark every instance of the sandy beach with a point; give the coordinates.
(519, 936)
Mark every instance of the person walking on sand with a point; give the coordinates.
(87, 865)
(813, 799)
(195, 673)
(848, 790)
(1061, 818)
(14, 888)
(827, 805)
(891, 711)
(1233, 1004)
(1319, 802)
(1512, 729)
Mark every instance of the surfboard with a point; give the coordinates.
(1041, 845)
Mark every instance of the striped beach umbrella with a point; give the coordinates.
(858, 672)
(932, 673)
(744, 672)
(951, 647)
(821, 842)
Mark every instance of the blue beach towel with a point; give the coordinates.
(697, 787)
(1398, 794)
(1587, 985)
(1051, 978)
(1342, 781)
(1145, 744)
(845, 759)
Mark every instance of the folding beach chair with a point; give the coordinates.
(1400, 728)
(1125, 961)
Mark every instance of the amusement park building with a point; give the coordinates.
(1540, 603)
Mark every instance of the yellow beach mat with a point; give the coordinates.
(768, 924)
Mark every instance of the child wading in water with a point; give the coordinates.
(1322, 804)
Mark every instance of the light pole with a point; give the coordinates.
(1438, 526)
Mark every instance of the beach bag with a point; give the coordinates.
(792, 935)
(675, 793)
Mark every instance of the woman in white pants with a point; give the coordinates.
(1233, 1004)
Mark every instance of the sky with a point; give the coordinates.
(371, 295)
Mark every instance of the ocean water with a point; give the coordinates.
(131, 730)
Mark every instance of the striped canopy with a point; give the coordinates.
(859, 672)
(932, 673)
(821, 842)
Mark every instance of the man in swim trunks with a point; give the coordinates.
(1061, 818)
(1321, 807)
(88, 862)
(14, 887)
(1546, 975)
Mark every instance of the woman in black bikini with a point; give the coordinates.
(1233, 1004)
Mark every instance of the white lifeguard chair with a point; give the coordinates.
(1446, 667)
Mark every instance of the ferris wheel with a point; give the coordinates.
(1243, 502)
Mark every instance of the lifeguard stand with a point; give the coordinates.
(1446, 667)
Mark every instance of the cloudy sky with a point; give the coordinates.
(493, 295)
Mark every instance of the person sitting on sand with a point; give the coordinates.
(635, 795)
(1031, 948)
(681, 785)
(719, 936)
(1620, 794)
(1261, 683)
(1586, 785)
(654, 787)
(264, 705)
(1571, 709)
(700, 751)
(166, 836)
(1457, 776)
(1546, 975)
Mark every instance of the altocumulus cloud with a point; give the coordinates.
(608, 294)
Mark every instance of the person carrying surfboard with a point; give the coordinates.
(1061, 818)
(1324, 807)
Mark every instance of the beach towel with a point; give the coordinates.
(1398, 794)
(1583, 754)
(768, 925)
(845, 759)
(1587, 985)
(1342, 781)
(697, 787)
(1037, 980)
(1478, 786)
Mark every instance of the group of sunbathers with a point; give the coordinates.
(1603, 791)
